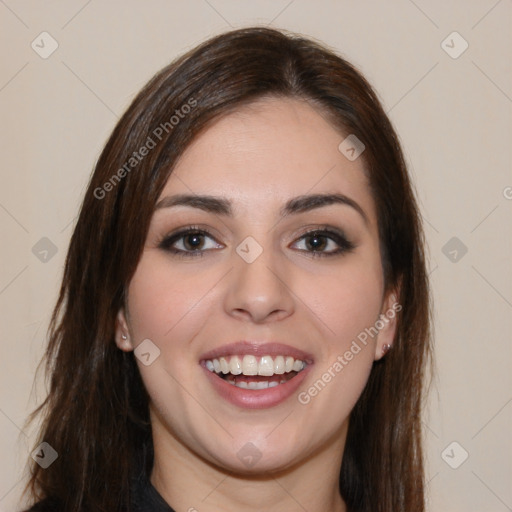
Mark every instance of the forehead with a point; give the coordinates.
(266, 152)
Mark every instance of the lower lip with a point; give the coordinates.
(256, 398)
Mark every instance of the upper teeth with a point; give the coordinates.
(251, 365)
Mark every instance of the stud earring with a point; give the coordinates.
(124, 337)
(386, 348)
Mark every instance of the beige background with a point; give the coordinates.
(454, 119)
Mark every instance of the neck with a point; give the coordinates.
(188, 482)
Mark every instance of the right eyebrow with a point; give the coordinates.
(207, 203)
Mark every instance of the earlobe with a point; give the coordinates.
(122, 335)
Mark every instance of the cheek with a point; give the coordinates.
(162, 301)
(167, 307)
(348, 300)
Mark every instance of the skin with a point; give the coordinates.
(258, 158)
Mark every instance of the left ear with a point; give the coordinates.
(387, 324)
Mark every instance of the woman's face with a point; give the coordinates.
(275, 284)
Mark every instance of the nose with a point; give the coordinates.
(259, 291)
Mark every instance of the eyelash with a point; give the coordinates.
(345, 246)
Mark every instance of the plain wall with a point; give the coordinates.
(453, 116)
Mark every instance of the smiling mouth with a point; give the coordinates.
(252, 372)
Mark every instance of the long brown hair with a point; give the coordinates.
(96, 412)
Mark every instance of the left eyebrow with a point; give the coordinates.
(306, 203)
(296, 205)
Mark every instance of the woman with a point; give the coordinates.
(244, 318)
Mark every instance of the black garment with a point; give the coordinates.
(145, 498)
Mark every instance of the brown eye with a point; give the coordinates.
(325, 243)
(189, 242)
(193, 241)
(316, 242)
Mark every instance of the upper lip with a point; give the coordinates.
(259, 349)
